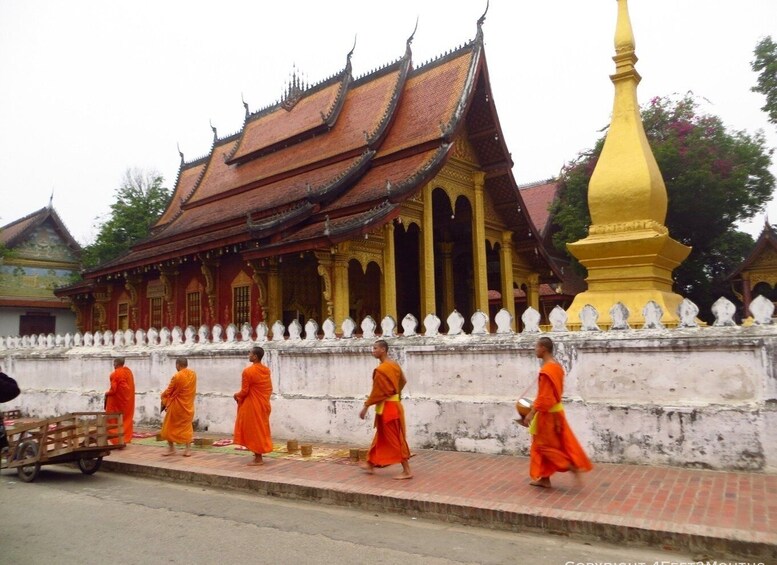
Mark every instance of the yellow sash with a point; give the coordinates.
(533, 426)
(379, 405)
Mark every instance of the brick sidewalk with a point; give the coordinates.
(709, 513)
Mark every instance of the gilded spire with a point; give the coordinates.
(626, 186)
(624, 35)
(628, 252)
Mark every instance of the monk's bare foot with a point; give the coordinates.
(187, 453)
(168, 453)
(257, 461)
(578, 475)
(544, 482)
(368, 468)
(403, 476)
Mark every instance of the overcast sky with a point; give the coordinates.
(88, 89)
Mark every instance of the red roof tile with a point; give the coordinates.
(186, 180)
(364, 107)
(211, 215)
(279, 124)
(429, 100)
(538, 197)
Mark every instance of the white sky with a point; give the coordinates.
(88, 89)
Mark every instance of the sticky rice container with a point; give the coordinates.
(523, 406)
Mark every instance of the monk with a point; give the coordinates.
(178, 401)
(554, 448)
(121, 397)
(252, 426)
(389, 445)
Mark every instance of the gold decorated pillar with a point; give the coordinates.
(446, 253)
(628, 252)
(274, 293)
(341, 295)
(506, 270)
(533, 291)
(747, 292)
(479, 261)
(388, 287)
(428, 304)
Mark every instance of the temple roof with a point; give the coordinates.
(538, 197)
(15, 232)
(335, 160)
(766, 240)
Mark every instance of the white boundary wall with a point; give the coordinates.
(703, 397)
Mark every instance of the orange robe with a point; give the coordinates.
(252, 425)
(389, 445)
(554, 447)
(179, 402)
(121, 398)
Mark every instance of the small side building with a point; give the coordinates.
(43, 255)
(757, 275)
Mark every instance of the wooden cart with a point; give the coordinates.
(83, 438)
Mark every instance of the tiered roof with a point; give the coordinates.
(335, 160)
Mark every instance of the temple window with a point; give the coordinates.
(155, 308)
(241, 305)
(193, 302)
(123, 316)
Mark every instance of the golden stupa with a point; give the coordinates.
(628, 252)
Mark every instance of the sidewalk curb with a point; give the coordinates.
(711, 542)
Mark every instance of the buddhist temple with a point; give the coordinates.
(757, 275)
(43, 255)
(386, 194)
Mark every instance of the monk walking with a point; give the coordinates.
(554, 448)
(252, 426)
(178, 401)
(389, 445)
(121, 397)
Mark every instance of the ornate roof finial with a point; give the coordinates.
(294, 89)
(327, 226)
(178, 146)
(245, 104)
(51, 199)
(350, 53)
(215, 133)
(482, 19)
(412, 35)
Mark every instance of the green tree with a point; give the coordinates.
(765, 64)
(140, 200)
(715, 177)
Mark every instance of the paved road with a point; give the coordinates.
(65, 517)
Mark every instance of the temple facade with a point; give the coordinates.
(43, 255)
(382, 195)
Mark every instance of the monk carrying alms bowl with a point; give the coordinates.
(523, 406)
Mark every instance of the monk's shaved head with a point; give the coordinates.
(182, 362)
(547, 343)
(258, 352)
(118, 362)
(383, 344)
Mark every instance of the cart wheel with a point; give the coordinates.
(89, 465)
(28, 450)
